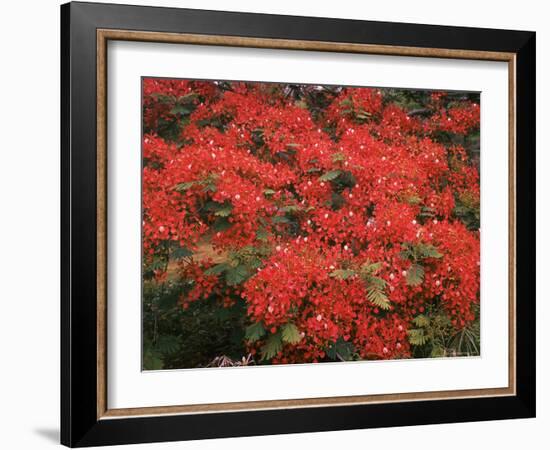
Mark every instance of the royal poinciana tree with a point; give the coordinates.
(332, 223)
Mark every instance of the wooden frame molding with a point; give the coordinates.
(103, 36)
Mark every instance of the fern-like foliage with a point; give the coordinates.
(272, 346)
(417, 336)
(290, 333)
(419, 254)
(415, 275)
(375, 285)
(254, 332)
(342, 351)
(376, 295)
(467, 341)
(433, 335)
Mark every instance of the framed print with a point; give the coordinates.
(276, 224)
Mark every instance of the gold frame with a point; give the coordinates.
(103, 36)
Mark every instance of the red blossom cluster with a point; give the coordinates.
(335, 227)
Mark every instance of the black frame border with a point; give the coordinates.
(79, 424)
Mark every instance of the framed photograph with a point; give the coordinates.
(277, 224)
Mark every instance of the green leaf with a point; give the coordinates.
(262, 234)
(346, 102)
(182, 187)
(236, 275)
(377, 297)
(377, 282)
(413, 199)
(415, 275)
(329, 176)
(181, 252)
(341, 350)
(461, 210)
(419, 251)
(254, 332)
(163, 98)
(342, 274)
(225, 211)
(280, 219)
(442, 320)
(417, 336)
(429, 251)
(222, 224)
(290, 208)
(180, 109)
(370, 268)
(219, 209)
(187, 97)
(427, 212)
(336, 201)
(157, 264)
(338, 157)
(152, 360)
(209, 187)
(268, 192)
(217, 269)
(421, 321)
(364, 115)
(290, 333)
(168, 345)
(313, 170)
(211, 206)
(407, 252)
(273, 345)
(168, 301)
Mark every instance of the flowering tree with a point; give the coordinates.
(303, 223)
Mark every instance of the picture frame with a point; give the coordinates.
(86, 30)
